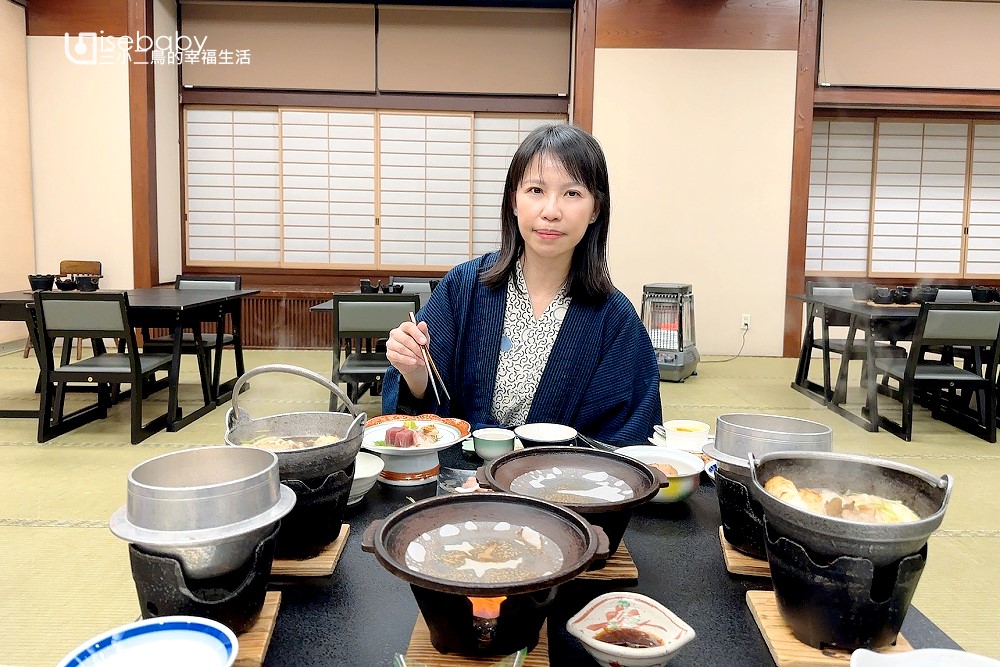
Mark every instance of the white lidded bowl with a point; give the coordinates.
(629, 611)
(688, 467)
(545, 434)
(366, 470)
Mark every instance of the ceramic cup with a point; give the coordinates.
(490, 443)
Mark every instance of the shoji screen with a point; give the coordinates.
(983, 256)
(328, 187)
(494, 141)
(839, 196)
(232, 186)
(919, 198)
(425, 169)
(348, 189)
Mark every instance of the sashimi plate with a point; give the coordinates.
(411, 466)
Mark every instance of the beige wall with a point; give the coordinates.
(699, 144)
(168, 174)
(80, 161)
(17, 249)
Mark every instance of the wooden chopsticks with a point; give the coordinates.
(432, 370)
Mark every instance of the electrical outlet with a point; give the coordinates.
(745, 321)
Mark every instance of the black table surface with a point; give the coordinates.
(863, 308)
(363, 615)
(156, 298)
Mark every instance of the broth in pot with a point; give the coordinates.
(484, 552)
(571, 486)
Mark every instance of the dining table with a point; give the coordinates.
(363, 615)
(878, 322)
(159, 307)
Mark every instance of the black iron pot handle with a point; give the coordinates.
(481, 478)
(661, 478)
(603, 543)
(237, 415)
(368, 537)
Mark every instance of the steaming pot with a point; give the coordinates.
(831, 537)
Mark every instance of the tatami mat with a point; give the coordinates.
(64, 577)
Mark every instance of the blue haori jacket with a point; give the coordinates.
(601, 377)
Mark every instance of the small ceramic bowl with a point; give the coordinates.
(687, 465)
(490, 443)
(629, 615)
(685, 434)
(542, 435)
(366, 469)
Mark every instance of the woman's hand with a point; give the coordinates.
(403, 352)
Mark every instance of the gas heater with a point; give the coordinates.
(668, 315)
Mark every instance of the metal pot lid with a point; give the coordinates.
(126, 530)
(769, 428)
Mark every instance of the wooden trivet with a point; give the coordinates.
(900, 305)
(320, 565)
(620, 567)
(788, 651)
(738, 562)
(255, 639)
(421, 650)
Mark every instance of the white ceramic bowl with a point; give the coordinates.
(158, 642)
(613, 611)
(366, 470)
(688, 467)
(542, 434)
(925, 657)
(685, 434)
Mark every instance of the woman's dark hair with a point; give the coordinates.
(582, 158)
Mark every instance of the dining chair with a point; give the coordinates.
(209, 340)
(358, 318)
(71, 267)
(95, 315)
(832, 318)
(973, 325)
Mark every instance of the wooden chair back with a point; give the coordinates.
(79, 266)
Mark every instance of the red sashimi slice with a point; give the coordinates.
(406, 438)
(391, 435)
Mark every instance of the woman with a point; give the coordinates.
(536, 332)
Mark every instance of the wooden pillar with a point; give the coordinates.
(805, 88)
(583, 64)
(142, 128)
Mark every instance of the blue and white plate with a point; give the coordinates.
(159, 642)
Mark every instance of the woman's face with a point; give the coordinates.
(553, 210)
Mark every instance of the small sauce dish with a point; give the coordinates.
(632, 619)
